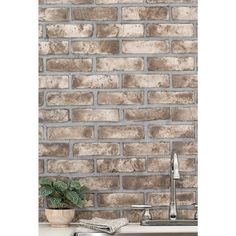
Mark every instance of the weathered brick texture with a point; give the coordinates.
(117, 95)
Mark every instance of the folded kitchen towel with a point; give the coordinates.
(105, 225)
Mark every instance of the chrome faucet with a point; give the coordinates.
(174, 175)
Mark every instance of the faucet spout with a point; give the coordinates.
(175, 166)
(174, 175)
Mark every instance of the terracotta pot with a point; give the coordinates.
(59, 217)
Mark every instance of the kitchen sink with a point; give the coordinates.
(134, 234)
(169, 222)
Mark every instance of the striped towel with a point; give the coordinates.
(105, 225)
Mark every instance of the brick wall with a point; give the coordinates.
(117, 93)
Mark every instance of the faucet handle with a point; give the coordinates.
(196, 213)
(146, 215)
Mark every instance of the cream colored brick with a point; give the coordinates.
(184, 13)
(120, 30)
(69, 30)
(95, 115)
(174, 30)
(95, 81)
(53, 82)
(145, 13)
(53, 48)
(120, 64)
(142, 46)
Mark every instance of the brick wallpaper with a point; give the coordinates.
(118, 93)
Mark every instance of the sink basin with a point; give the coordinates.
(169, 223)
(134, 234)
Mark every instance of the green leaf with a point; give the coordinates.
(60, 185)
(44, 182)
(44, 191)
(75, 184)
(54, 202)
(74, 198)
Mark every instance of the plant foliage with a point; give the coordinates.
(62, 194)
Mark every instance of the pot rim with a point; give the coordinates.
(60, 209)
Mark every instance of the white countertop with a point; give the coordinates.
(46, 230)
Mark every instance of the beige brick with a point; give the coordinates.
(186, 214)
(53, 14)
(158, 164)
(170, 98)
(94, 13)
(146, 182)
(41, 133)
(120, 199)
(95, 81)
(69, 30)
(120, 64)
(184, 81)
(142, 46)
(42, 216)
(53, 115)
(145, 13)
(89, 200)
(184, 46)
(69, 65)
(41, 202)
(70, 166)
(121, 132)
(163, 164)
(96, 213)
(96, 149)
(185, 148)
(185, 198)
(171, 1)
(184, 113)
(117, 1)
(41, 167)
(184, 13)
(170, 30)
(54, 149)
(96, 47)
(70, 1)
(40, 31)
(40, 65)
(120, 165)
(120, 30)
(53, 48)
(145, 81)
(41, 2)
(119, 98)
(41, 99)
(100, 183)
(171, 131)
(187, 165)
(147, 114)
(70, 132)
(171, 63)
(95, 115)
(163, 199)
(69, 98)
(158, 199)
(187, 182)
(53, 82)
(146, 149)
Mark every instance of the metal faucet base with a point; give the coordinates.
(169, 222)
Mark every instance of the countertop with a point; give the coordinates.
(46, 230)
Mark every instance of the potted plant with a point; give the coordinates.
(62, 198)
